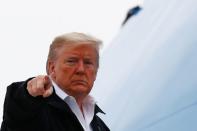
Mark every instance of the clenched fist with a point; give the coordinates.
(40, 86)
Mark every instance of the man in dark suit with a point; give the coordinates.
(60, 100)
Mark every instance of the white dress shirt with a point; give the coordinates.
(88, 106)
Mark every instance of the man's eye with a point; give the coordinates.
(71, 61)
(88, 62)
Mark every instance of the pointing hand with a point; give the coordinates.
(40, 86)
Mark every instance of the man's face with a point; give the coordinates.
(75, 69)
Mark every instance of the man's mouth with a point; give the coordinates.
(80, 82)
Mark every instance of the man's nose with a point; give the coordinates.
(80, 67)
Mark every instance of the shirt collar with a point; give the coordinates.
(59, 91)
(88, 100)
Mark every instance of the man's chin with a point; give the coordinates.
(80, 89)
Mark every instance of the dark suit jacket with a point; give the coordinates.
(23, 112)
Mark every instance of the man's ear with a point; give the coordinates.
(50, 67)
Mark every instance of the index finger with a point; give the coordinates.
(47, 81)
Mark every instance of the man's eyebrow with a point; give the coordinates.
(88, 58)
(72, 56)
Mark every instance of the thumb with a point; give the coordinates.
(48, 92)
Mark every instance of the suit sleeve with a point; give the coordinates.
(19, 106)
